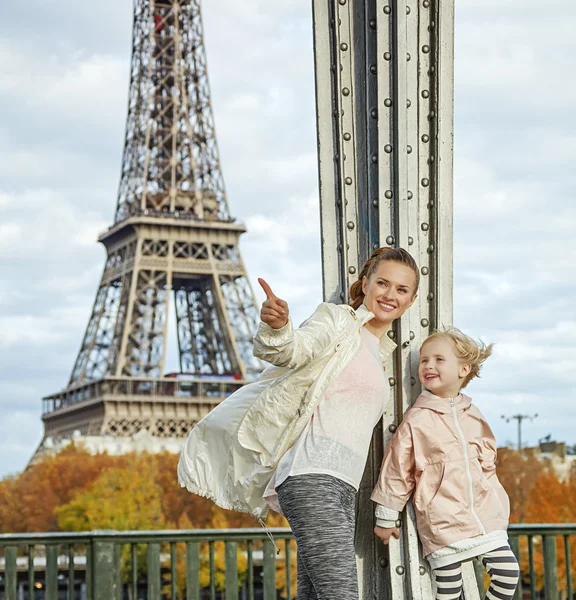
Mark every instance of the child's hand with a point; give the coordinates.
(385, 533)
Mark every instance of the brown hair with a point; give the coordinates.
(398, 255)
(468, 350)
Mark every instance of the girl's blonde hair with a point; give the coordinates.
(468, 350)
(370, 267)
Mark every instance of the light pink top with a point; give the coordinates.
(337, 438)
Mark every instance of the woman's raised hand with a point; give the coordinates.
(274, 312)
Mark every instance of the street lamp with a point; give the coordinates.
(520, 418)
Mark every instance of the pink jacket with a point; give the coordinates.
(444, 452)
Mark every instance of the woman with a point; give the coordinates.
(298, 438)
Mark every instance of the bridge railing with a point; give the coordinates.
(235, 564)
(546, 555)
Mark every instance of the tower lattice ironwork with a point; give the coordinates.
(172, 237)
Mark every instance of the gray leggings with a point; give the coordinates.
(321, 512)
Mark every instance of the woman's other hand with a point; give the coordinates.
(274, 312)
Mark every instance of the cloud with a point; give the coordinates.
(20, 432)
(72, 101)
(44, 219)
(284, 249)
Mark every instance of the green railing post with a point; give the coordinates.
(51, 572)
(568, 555)
(288, 570)
(231, 561)
(192, 571)
(250, 570)
(515, 547)
(153, 571)
(134, 570)
(103, 569)
(269, 571)
(71, 594)
(30, 572)
(89, 572)
(10, 573)
(173, 587)
(117, 571)
(550, 567)
(531, 567)
(212, 560)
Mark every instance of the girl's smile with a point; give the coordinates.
(441, 371)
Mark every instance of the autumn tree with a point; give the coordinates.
(178, 502)
(518, 473)
(552, 501)
(122, 498)
(9, 506)
(30, 499)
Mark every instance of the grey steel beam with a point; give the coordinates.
(384, 91)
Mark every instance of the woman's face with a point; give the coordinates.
(389, 291)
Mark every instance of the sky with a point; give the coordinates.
(64, 74)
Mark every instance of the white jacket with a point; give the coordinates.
(231, 454)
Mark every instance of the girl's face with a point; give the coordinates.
(441, 371)
(389, 291)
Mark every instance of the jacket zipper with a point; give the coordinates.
(467, 463)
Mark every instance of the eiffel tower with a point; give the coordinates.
(172, 237)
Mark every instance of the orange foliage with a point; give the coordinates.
(551, 501)
(122, 498)
(518, 473)
(537, 496)
(28, 501)
(72, 478)
(179, 503)
(76, 490)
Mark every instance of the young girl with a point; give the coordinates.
(444, 453)
(298, 438)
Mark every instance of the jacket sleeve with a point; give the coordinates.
(386, 517)
(293, 348)
(396, 481)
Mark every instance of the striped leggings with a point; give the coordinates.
(502, 567)
(321, 511)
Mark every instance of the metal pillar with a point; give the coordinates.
(384, 89)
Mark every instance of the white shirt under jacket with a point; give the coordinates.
(337, 438)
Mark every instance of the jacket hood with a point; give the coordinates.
(442, 405)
